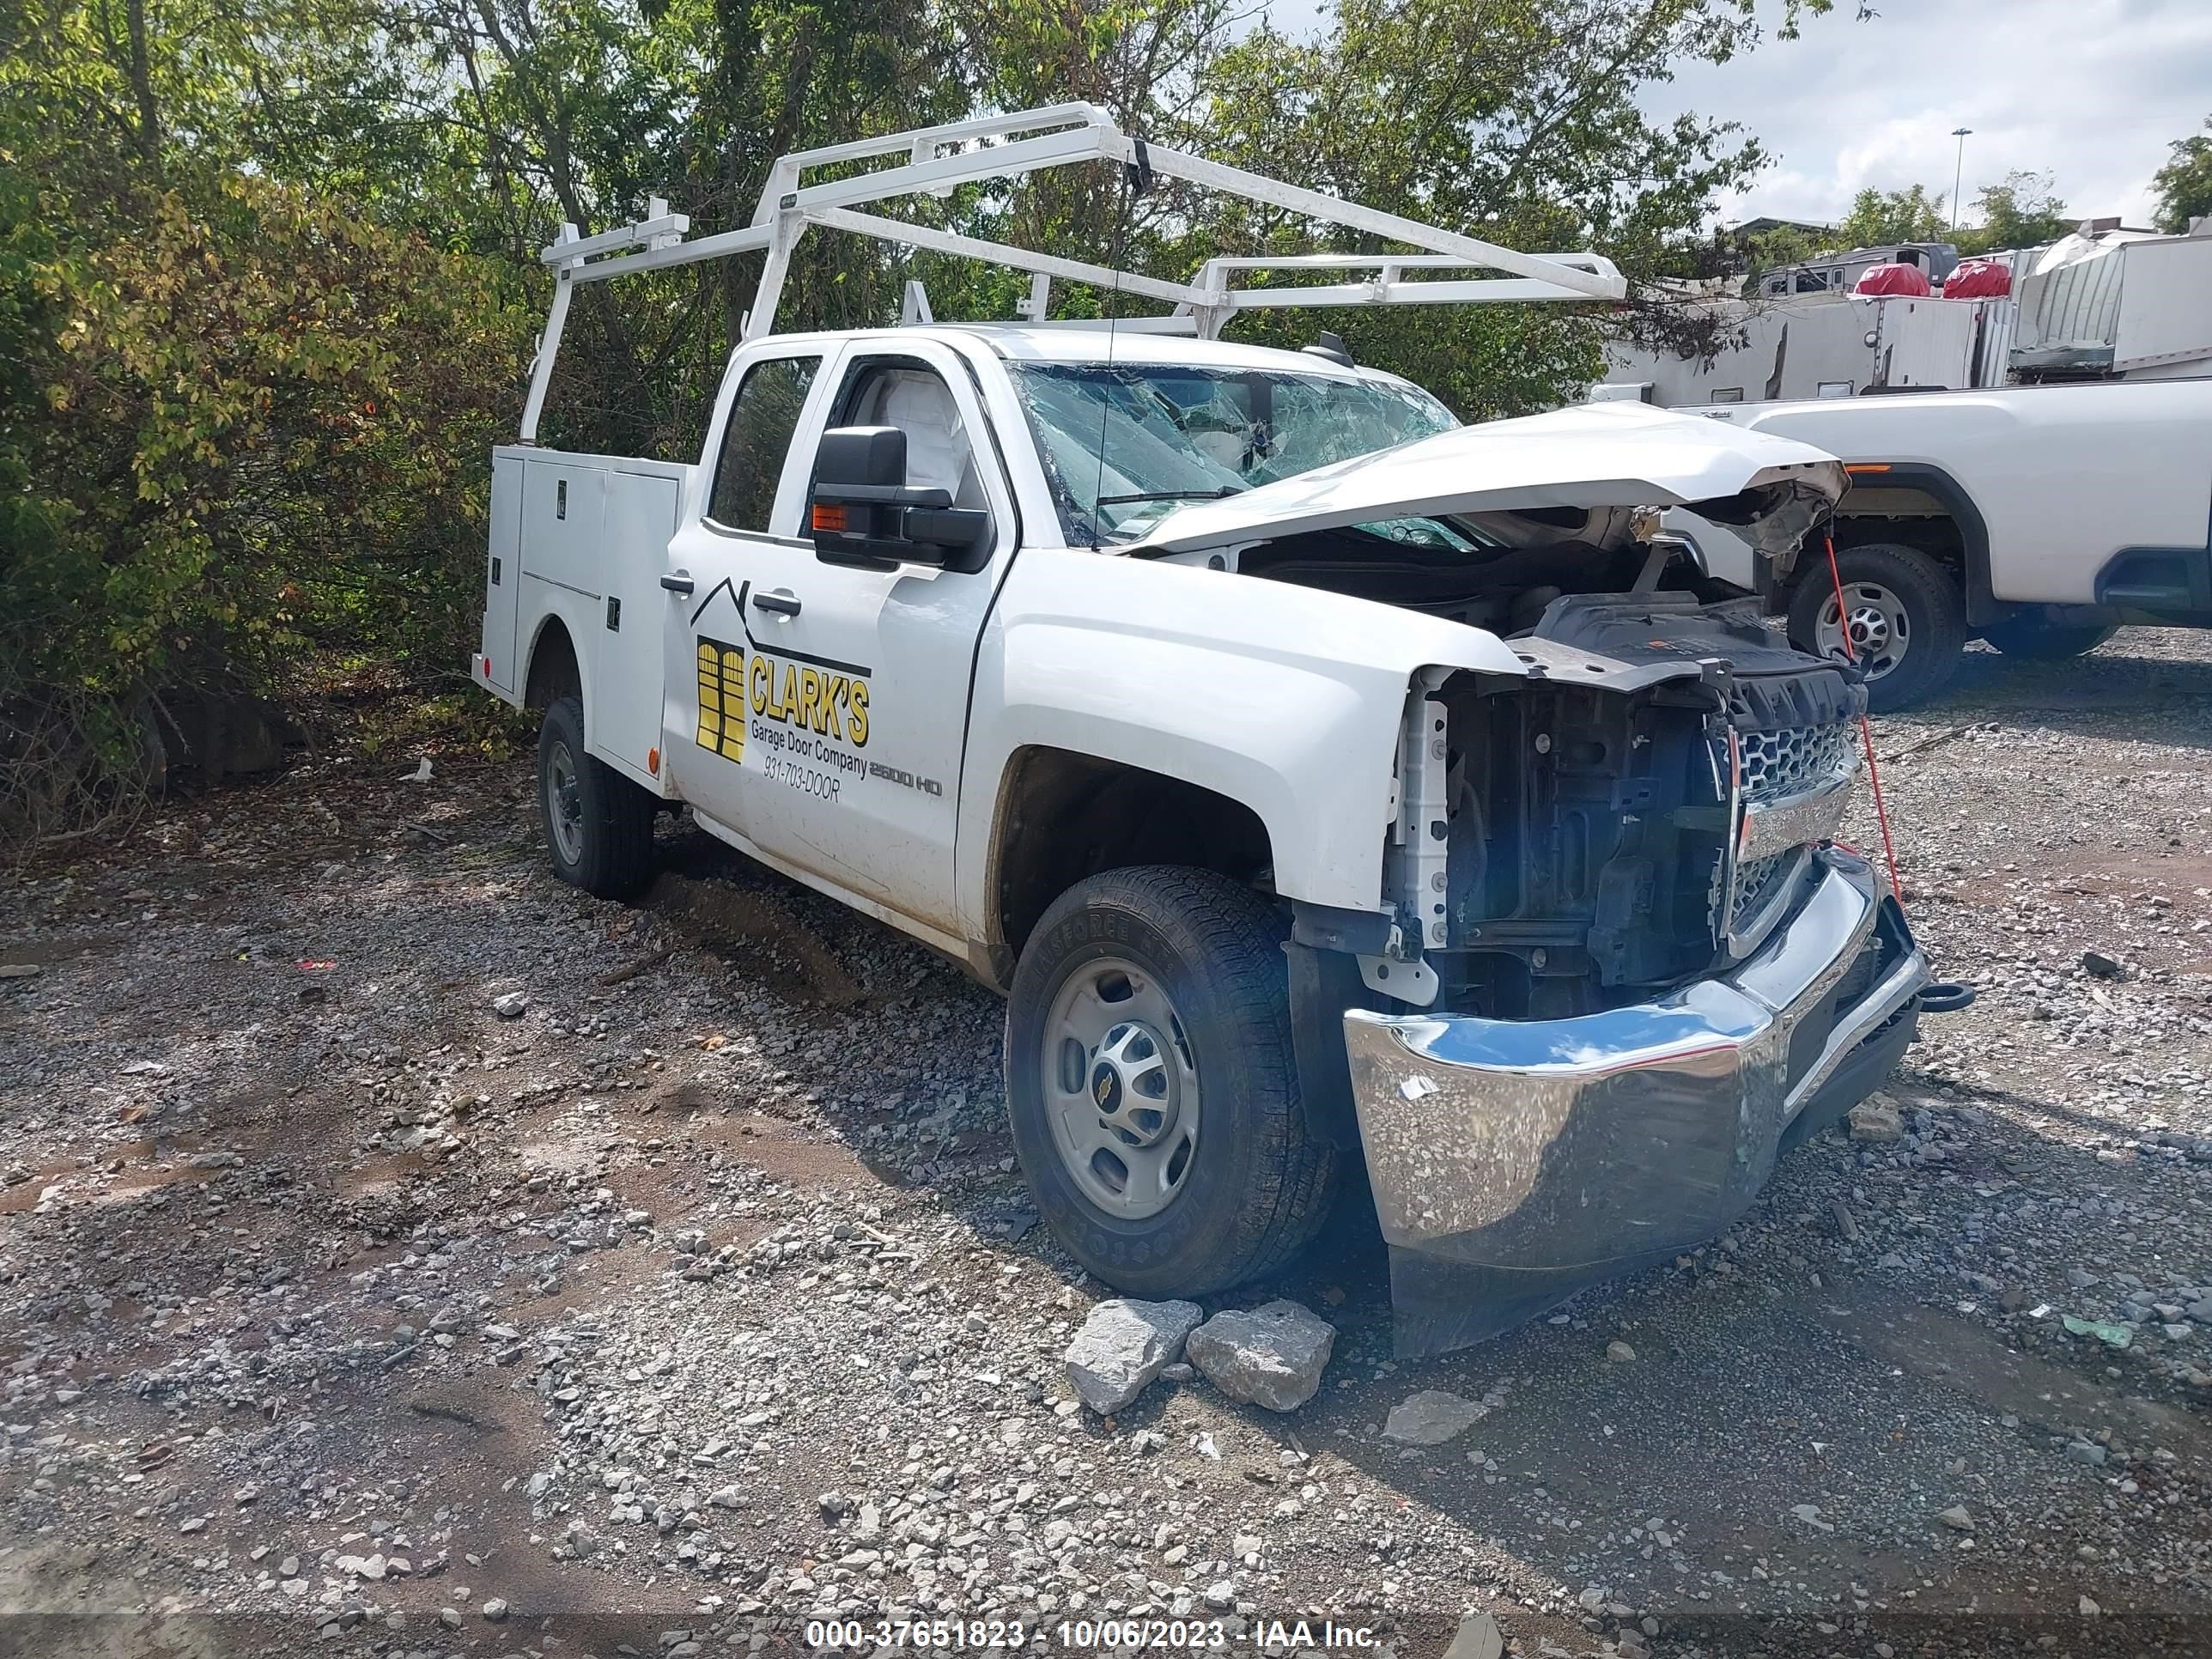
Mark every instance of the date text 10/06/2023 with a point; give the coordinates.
(1084, 1635)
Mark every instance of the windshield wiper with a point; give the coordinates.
(1174, 495)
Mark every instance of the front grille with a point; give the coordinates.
(1793, 759)
(1755, 884)
(1776, 764)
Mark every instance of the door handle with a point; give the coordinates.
(782, 604)
(679, 583)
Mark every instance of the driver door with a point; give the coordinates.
(859, 682)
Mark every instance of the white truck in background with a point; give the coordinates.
(1320, 780)
(2038, 519)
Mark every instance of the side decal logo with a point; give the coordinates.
(807, 717)
(722, 698)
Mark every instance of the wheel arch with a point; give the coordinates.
(1062, 816)
(1884, 491)
(552, 665)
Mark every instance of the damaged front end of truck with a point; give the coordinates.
(1655, 969)
(1623, 962)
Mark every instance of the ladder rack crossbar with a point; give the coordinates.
(1007, 147)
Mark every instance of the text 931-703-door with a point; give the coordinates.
(1321, 780)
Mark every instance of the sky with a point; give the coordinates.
(2090, 90)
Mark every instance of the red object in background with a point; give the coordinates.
(1907, 280)
(1979, 279)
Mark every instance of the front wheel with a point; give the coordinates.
(1153, 1096)
(2030, 635)
(1902, 614)
(598, 824)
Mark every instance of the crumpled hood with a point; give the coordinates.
(1595, 455)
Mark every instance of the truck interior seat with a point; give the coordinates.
(938, 453)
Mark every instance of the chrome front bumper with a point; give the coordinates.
(1516, 1162)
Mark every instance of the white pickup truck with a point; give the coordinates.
(1320, 779)
(2039, 519)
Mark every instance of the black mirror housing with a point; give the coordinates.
(871, 457)
(862, 511)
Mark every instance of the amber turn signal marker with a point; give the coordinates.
(1858, 466)
(652, 761)
(828, 517)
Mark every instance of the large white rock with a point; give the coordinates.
(1272, 1356)
(1123, 1346)
(1431, 1417)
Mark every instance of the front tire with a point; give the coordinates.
(1904, 616)
(2033, 638)
(598, 824)
(1151, 1084)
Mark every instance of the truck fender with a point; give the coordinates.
(1982, 606)
(1287, 700)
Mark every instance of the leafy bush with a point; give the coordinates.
(265, 429)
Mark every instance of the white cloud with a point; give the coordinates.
(2090, 90)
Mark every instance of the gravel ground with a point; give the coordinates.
(690, 1293)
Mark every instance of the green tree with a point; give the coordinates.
(1910, 215)
(1785, 245)
(2023, 212)
(2184, 183)
(238, 425)
(1519, 124)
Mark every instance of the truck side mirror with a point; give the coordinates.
(862, 511)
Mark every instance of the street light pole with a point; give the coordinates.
(1958, 172)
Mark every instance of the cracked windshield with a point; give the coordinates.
(1170, 435)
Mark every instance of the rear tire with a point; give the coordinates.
(1906, 616)
(598, 824)
(2032, 638)
(1202, 1174)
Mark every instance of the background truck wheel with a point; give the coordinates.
(2033, 636)
(1149, 1078)
(598, 824)
(1907, 619)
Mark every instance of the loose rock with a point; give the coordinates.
(1876, 1118)
(1123, 1346)
(1477, 1638)
(1271, 1356)
(1431, 1417)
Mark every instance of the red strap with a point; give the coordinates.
(1866, 730)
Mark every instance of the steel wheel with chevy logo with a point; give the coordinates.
(1151, 1084)
(1121, 1087)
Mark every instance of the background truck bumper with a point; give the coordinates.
(1517, 1162)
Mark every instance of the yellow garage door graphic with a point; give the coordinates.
(722, 698)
